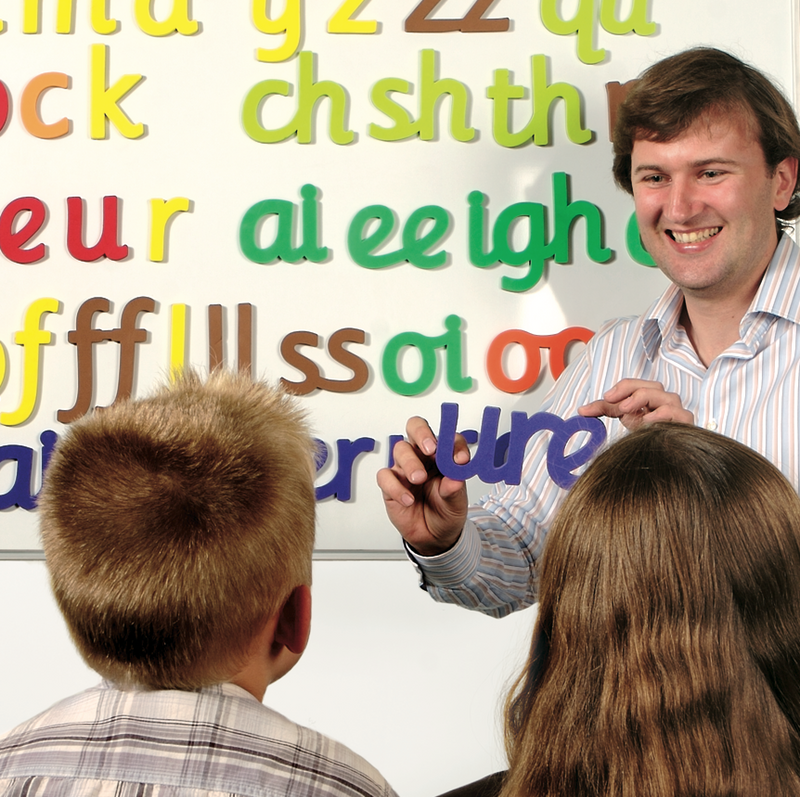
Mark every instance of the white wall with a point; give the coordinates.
(412, 685)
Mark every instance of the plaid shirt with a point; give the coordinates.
(213, 741)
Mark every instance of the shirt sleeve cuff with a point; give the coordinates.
(453, 567)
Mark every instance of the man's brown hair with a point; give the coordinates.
(676, 92)
(175, 525)
(666, 648)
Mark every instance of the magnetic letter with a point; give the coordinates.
(29, 106)
(31, 337)
(161, 213)
(105, 99)
(108, 244)
(178, 20)
(288, 23)
(11, 241)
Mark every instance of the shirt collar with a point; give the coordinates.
(778, 295)
(779, 292)
(660, 320)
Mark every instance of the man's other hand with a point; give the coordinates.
(638, 401)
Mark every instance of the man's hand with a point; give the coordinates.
(428, 509)
(637, 401)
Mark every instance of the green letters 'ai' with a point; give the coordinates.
(282, 247)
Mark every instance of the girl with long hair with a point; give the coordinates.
(665, 659)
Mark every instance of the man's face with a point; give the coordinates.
(705, 202)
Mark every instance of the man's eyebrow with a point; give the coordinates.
(653, 167)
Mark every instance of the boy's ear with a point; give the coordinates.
(294, 620)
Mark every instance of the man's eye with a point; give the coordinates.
(711, 173)
(654, 178)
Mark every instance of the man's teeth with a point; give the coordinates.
(694, 237)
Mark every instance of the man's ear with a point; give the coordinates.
(786, 174)
(294, 620)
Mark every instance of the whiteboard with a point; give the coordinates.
(193, 157)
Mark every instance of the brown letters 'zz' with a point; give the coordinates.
(473, 22)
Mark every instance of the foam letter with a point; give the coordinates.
(5, 103)
(11, 240)
(342, 20)
(177, 340)
(484, 463)
(30, 337)
(178, 20)
(250, 112)
(244, 328)
(29, 105)
(314, 379)
(105, 99)
(161, 212)
(282, 247)
(431, 90)
(532, 345)
(128, 335)
(30, 16)
(20, 492)
(64, 16)
(361, 248)
(636, 23)
(83, 337)
(100, 20)
(288, 23)
(108, 244)
(566, 212)
(347, 451)
(309, 93)
(542, 97)
(404, 124)
(582, 24)
(426, 345)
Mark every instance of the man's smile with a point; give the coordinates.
(694, 236)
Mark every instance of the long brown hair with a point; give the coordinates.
(666, 651)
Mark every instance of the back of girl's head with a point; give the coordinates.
(670, 604)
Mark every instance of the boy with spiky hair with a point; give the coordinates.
(178, 531)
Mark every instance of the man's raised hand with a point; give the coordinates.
(428, 509)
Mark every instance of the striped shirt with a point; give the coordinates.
(750, 392)
(215, 741)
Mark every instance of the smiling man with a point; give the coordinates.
(709, 149)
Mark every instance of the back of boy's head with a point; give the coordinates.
(175, 525)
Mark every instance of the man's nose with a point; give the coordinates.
(683, 200)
